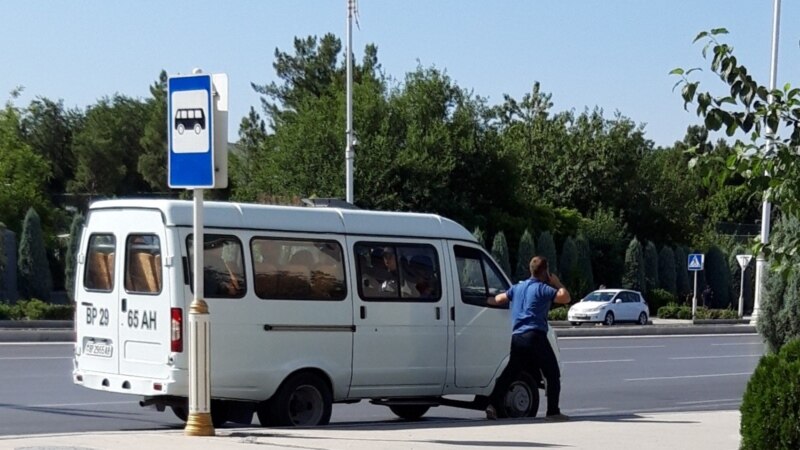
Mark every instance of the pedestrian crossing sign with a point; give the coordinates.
(695, 262)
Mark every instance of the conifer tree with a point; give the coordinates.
(666, 270)
(586, 281)
(500, 252)
(479, 236)
(650, 267)
(547, 248)
(527, 249)
(634, 277)
(33, 270)
(72, 253)
(568, 264)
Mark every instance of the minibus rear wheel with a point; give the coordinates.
(409, 412)
(303, 400)
(219, 413)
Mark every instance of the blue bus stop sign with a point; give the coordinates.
(190, 129)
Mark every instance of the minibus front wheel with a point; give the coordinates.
(303, 400)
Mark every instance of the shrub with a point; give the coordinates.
(10, 312)
(36, 309)
(771, 403)
(669, 311)
(33, 268)
(684, 313)
(558, 313)
(658, 298)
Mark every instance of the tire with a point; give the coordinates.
(219, 413)
(303, 400)
(181, 128)
(609, 320)
(575, 324)
(521, 398)
(181, 413)
(642, 319)
(409, 412)
(197, 128)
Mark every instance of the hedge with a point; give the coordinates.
(36, 309)
(675, 311)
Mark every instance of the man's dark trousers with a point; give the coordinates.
(531, 351)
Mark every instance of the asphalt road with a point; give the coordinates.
(601, 376)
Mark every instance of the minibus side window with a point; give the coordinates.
(398, 272)
(143, 264)
(99, 269)
(478, 277)
(298, 269)
(223, 264)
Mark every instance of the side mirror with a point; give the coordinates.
(619, 300)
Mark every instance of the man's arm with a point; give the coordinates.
(562, 294)
(497, 300)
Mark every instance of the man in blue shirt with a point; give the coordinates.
(530, 349)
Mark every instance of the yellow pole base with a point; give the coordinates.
(199, 424)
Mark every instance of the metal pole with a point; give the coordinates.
(741, 294)
(199, 421)
(694, 297)
(766, 209)
(349, 153)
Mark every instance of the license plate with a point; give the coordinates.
(98, 349)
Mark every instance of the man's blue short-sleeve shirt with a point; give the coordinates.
(530, 303)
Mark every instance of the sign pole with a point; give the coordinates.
(199, 421)
(694, 298)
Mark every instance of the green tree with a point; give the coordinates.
(47, 127)
(767, 163)
(33, 271)
(249, 168)
(75, 230)
(779, 313)
(634, 277)
(666, 270)
(152, 162)
(608, 238)
(547, 248)
(500, 252)
(23, 173)
(650, 266)
(527, 250)
(107, 148)
(568, 263)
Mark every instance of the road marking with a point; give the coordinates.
(722, 400)
(655, 336)
(12, 358)
(64, 405)
(714, 357)
(608, 348)
(3, 344)
(711, 375)
(740, 343)
(599, 361)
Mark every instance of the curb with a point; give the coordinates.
(654, 330)
(37, 335)
(35, 324)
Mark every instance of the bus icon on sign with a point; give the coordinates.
(190, 118)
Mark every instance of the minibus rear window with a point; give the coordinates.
(99, 268)
(143, 264)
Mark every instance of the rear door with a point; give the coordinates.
(143, 300)
(96, 296)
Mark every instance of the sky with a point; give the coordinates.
(613, 54)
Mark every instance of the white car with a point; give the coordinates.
(609, 306)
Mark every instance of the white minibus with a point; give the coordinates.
(308, 306)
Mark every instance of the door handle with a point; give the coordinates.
(438, 313)
(124, 304)
(453, 313)
(363, 312)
